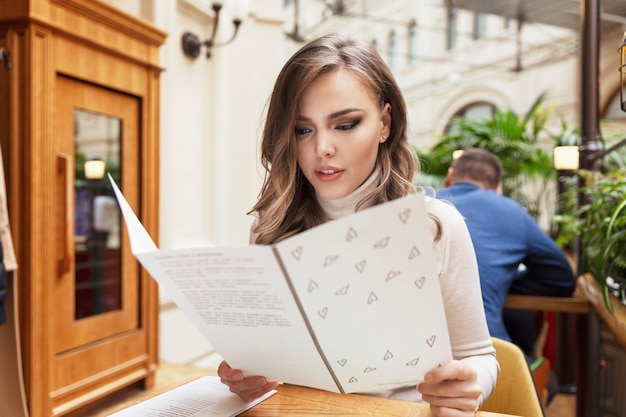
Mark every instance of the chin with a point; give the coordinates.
(332, 194)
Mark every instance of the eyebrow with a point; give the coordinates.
(332, 115)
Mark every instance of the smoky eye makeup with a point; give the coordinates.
(348, 125)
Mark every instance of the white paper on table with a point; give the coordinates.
(359, 309)
(203, 397)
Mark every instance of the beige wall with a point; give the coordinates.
(211, 115)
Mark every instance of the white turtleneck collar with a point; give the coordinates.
(340, 207)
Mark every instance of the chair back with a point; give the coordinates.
(515, 391)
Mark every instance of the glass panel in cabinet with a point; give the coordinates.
(98, 282)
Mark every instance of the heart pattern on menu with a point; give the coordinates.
(352, 234)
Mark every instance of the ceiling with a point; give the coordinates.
(562, 13)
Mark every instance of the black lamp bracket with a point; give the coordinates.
(192, 44)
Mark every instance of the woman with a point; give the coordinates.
(335, 141)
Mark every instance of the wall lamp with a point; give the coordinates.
(95, 168)
(192, 44)
(565, 158)
(622, 70)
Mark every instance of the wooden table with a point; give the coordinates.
(575, 304)
(586, 362)
(295, 401)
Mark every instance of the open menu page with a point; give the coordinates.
(352, 305)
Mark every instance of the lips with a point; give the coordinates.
(328, 173)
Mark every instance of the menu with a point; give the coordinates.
(353, 305)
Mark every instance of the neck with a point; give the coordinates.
(340, 207)
(476, 183)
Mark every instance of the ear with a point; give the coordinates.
(385, 122)
(448, 181)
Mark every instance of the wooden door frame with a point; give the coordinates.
(70, 95)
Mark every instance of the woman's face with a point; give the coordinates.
(339, 128)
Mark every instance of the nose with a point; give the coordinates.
(324, 145)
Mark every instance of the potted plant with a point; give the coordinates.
(600, 223)
(593, 210)
(592, 221)
(519, 142)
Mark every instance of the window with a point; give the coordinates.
(391, 52)
(480, 25)
(473, 111)
(451, 37)
(412, 43)
(509, 23)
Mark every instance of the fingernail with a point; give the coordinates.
(260, 382)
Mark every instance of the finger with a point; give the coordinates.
(252, 388)
(451, 388)
(449, 371)
(249, 384)
(228, 374)
(457, 403)
(261, 391)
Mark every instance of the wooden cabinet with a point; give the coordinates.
(82, 88)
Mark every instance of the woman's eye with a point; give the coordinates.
(301, 131)
(348, 126)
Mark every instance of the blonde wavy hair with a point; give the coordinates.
(287, 204)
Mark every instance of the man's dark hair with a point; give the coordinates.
(478, 165)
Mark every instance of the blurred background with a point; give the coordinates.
(503, 75)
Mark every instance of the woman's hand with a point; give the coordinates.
(247, 388)
(452, 390)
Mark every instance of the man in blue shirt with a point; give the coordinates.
(514, 254)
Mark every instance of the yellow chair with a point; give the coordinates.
(515, 391)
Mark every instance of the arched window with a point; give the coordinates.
(474, 111)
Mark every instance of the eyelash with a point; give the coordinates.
(301, 131)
